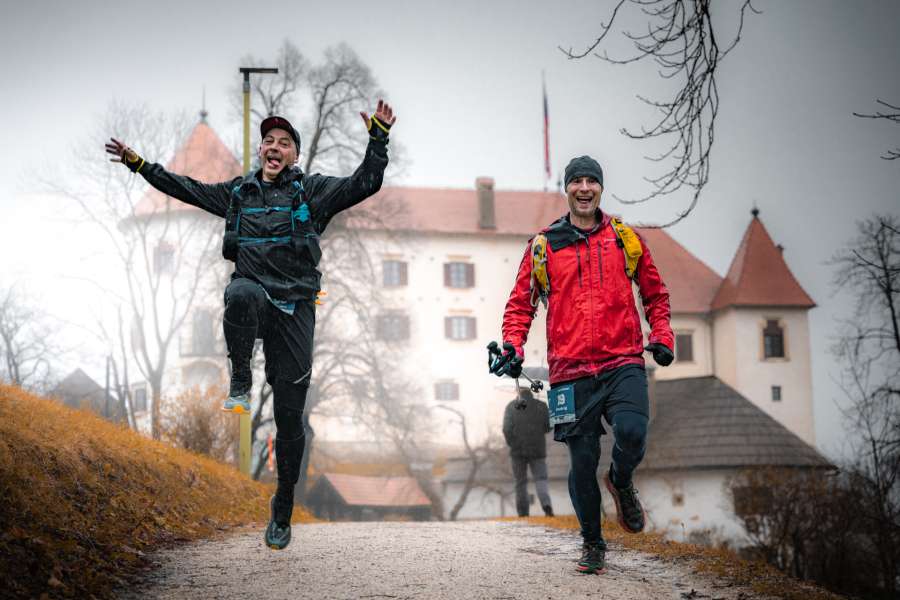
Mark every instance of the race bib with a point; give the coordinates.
(561, 402)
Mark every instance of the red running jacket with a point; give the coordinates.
(592, 321)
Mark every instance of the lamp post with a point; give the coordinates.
(246, 448)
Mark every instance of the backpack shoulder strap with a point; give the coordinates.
(630, 244)
(540, 281)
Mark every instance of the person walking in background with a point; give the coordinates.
(525, 425)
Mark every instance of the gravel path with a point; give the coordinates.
(475, 559)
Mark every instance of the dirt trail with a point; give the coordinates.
(475, 559)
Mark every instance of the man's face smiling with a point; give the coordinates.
(583, 195)
(276, 152)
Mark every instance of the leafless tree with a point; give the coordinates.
(869, 349)
(477, 457)
(679, 36)
(323, 100)
(27, 342)
(154, 243)
(893, 116)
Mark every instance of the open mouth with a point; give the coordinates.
(273, 161)
(584, 202)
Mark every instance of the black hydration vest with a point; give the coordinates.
(303, 239)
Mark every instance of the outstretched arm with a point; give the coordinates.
(213, 198)
(330, 195)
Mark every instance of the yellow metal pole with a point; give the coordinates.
(245, 448)
(246, 123)
(245, 458)
(245, 444)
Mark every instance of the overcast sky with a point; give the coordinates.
(465, 80)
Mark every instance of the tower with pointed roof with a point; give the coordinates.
(760, 331)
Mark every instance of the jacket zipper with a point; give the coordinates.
(600, 260)
(578, 254)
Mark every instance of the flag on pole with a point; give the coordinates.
(546, 131)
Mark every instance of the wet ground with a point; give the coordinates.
(474, 559)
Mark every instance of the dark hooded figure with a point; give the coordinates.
(526, 423)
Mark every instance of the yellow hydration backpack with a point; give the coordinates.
(540, 282)
(630, 244)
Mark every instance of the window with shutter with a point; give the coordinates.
(459, 275)
(203, 337)
(395, 273)
(446, 391)
(459, 328)
(392, 326)
(684, 347)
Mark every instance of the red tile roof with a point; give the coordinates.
(204, 157)
(359, 490)
(692, 284)
(758, 275)
(444, 210)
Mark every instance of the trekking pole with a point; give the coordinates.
(497, 360)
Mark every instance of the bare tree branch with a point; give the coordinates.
(681, 39)
(892, 117)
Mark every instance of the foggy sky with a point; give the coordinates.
(465, 80)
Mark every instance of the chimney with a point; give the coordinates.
(486, 213)
(651, 390)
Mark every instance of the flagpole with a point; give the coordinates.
(546, 132)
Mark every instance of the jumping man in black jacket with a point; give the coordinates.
(273, 220)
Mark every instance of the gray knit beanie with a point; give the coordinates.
(583, 166)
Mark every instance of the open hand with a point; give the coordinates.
(383, 112)
(119, 151)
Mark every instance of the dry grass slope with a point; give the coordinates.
(762, 578)
(83, 499)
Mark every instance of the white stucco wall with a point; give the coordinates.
(433, 357)
(740, 363)
(683, 505)
(689, 505)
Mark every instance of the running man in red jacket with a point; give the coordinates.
(594, 346)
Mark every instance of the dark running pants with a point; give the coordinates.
(619, 395)
(287, 348)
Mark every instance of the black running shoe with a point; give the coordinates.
(593, 559)
(628, 507)
(278, 533)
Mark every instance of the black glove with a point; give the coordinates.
(378, 130)
(661, 354)
(507, 363)
(514, 367)
(132, 160)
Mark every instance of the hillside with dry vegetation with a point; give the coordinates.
(85, 499)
